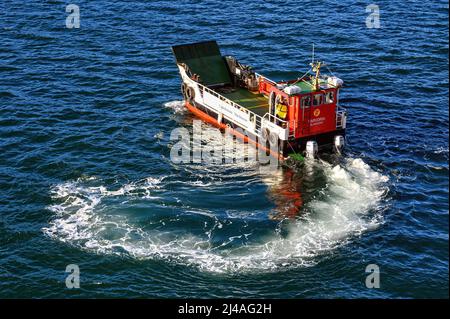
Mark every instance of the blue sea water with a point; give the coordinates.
(86, 177)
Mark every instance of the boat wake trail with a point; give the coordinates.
(176, 106)
(349, 204)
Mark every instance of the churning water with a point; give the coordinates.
(86, 176)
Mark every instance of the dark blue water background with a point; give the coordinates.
(86, 178)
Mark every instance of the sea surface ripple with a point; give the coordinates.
(86, 177)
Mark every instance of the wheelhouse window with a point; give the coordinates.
(305, 102)
(329, 98)
(317, 100)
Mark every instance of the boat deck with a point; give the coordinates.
(256, 103)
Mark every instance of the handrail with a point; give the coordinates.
(340, 114)
(265, 78)
(223, 98)
(273, 119)
(257, 117)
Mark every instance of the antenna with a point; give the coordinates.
(312, 54)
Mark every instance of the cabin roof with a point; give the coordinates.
(306, 86)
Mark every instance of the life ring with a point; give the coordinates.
(190, 94)
(265, 134)
(183, 90)
(273, 138)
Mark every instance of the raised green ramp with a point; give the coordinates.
(257, 103)
(204, 59)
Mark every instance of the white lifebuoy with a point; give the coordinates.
(265, 134)
(273, 138)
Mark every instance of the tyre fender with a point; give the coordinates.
(183, 90)
(273, 138)
(190, 94)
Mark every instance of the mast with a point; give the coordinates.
(316, 68)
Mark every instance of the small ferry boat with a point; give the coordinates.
(299, 116)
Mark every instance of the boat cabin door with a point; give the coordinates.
(305, 114)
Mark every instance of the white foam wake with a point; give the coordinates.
(78, 217)
(176, 106)
(347, 206)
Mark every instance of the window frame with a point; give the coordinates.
(321, 95)
(333, 94)
(304, 98)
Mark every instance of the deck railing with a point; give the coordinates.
(253, 117)
(265, 78)
(340, 117)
